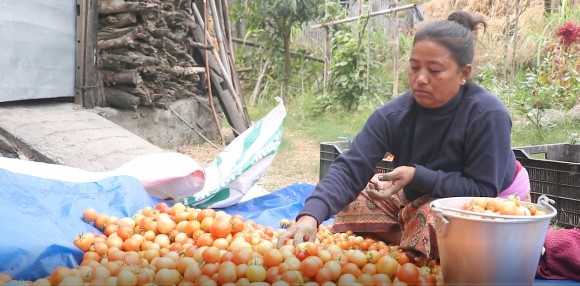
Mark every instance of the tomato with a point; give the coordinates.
(301, 255)
(238, 225)
(323, 275)
(227, 274)
(408, 273)
(89, 215)
(346, 280)
(211, 254)
(402, 258)
(381, 279)
(126, 277)
(387, 265)
(84, 241)
(165, 225)
(206, 239)
(101, 221)
(205, 213)
(310, 266)
(357, 257)
(351, 268)
(273, 257)
(426, 280)
(256, 273)
(221, 227)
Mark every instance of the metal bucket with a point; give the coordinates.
(496, 250)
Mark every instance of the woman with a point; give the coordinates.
(449, 137)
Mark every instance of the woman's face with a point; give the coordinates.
(434, 75)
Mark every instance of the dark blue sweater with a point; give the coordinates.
(460, 149)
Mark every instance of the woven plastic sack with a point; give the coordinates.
(241, 164)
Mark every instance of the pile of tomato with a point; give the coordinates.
(512, 205)
(180, 245)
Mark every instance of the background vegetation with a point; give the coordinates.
(529, 57)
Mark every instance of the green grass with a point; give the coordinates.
(339, 126)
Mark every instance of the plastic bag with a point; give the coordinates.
(242, 163)
(163, 175)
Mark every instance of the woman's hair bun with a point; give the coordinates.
(466, 20)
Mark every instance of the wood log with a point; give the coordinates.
(122, 42)
(129, 60)
(110, 33)
(145, 48)
(143, 93)
(194, 44)
(120, 20)
(130, 77)
(107, 7)
(179, 72)
(121, 99)
(148, 73)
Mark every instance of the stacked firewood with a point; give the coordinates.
(144, 52)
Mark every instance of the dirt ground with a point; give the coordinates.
(297, 161)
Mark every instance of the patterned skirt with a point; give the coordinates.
(413, 219)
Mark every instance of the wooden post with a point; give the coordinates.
(88, 84)
(395, 27)
(327, 55)
(325, 79)
(506, 41)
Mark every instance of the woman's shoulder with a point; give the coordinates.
(399, 103)
(482, 98)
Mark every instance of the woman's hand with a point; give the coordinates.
(304, 229)
(382, 186)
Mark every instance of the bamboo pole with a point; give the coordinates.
(219, 35)
(208, 77)
(225, 75)
(256, 45)
(352, 19)
(232, 57)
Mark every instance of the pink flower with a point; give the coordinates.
(538, 102)
(569, 33)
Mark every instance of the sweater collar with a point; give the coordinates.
(448, 107)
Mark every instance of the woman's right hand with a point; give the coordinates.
(304, 229)
(382, 186)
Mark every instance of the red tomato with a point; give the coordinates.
(221, 227)
(408, 273)
(89, 215)
(84, 241)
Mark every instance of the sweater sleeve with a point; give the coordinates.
(488, 159)
(349, 174)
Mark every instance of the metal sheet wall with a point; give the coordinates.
(37, 49)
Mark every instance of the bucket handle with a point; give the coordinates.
(547, 202)
(436, 207)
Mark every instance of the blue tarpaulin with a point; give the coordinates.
(41, 217)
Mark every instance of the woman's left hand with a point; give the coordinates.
(398, 178)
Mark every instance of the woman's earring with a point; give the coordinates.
(463, 81)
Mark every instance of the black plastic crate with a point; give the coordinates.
(329, 151)
(554, 170)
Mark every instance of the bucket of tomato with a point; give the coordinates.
(490, 241)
